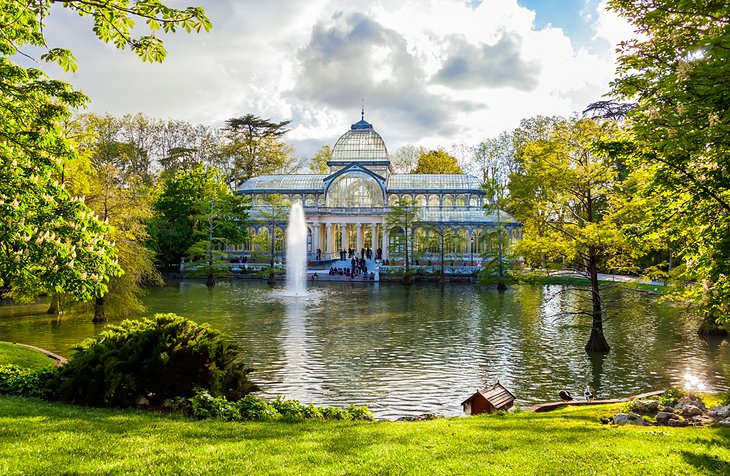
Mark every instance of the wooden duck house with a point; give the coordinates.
(488, 400)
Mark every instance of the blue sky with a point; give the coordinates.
(432, 72)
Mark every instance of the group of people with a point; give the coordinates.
(365, 253)
(353, 273)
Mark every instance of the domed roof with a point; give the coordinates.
(360, 144)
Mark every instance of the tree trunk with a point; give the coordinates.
(597, 341)
(501, 286)
(710, 327)
(55, 306)
(443, 245)
(99, 314)
(210, 280)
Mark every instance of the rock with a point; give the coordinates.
(605, 420)
(666, 409)
(690, 400)
(677, 422)
(663, 417)
(647, 406)
(142, 401)
(719, 412)
(422, 417)
(725, 422)
(688, 410)
(628, 419)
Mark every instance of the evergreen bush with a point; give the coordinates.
(151, 360)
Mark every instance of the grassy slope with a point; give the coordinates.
(22, 356)
(41, 438)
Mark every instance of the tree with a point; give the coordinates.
(441, 236)
(675, 75)
(120, 199)
(405, 159)
(497, 162)
(564, 183)
(318, 162)
(50, 241)
(255, 147)
(437, 162)
(273, 214)
(223, 218)
(182, 212)
(404, 215)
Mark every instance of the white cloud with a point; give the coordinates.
(431, 72)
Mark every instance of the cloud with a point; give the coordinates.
(469, 66)
(350, 56)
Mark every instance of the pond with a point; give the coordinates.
(409, 350)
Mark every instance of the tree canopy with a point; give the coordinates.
(675, 72)
(49, 240)
(437, 162)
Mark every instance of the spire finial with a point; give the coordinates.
(362, 112)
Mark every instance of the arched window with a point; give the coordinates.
(461, 200)
(433, 200)
(355, 189)
(474, 201)
(421, 200)
(393, 200)
(447, 201)
(309, 201)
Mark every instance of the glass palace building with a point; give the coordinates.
(347, 208)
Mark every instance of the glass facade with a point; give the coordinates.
(355, 190)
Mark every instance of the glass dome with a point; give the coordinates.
(355, 190)
(360, 144)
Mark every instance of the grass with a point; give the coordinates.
(579, 281)
(23, 356)
(42, 438)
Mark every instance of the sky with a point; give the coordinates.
(430, 72)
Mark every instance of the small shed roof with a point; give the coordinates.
(497, 395)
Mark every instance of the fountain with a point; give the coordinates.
(296, 252)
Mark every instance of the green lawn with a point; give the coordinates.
(42, 438)
(22, 356)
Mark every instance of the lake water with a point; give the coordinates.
(409, 350)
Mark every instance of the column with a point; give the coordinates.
(315, 237)
(328, 240)
(358, 240)
(343, 238)
(385, 242)
(373, 238)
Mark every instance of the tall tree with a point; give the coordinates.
(182, 210)
(566, 185)
(255, 147)
(405, 159)
(437, 162)
(675, 72)
(496, 159)
(48, 239)
(404, 215)
(318, 162)
(273, 215)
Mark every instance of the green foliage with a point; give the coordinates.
(724, 398)
(50, 241)
(671, 397)
(403, 216)
(25, 382)
(252, 408)
(437, 162)
(183, 215)
(676, 77)
(318, 162)
(254, 147)
(163, 357)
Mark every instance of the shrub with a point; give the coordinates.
(724, 399)
(159, 358)
(671, 397)
(25, 382)
(250, 407)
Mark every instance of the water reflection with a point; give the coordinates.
(405, 351)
